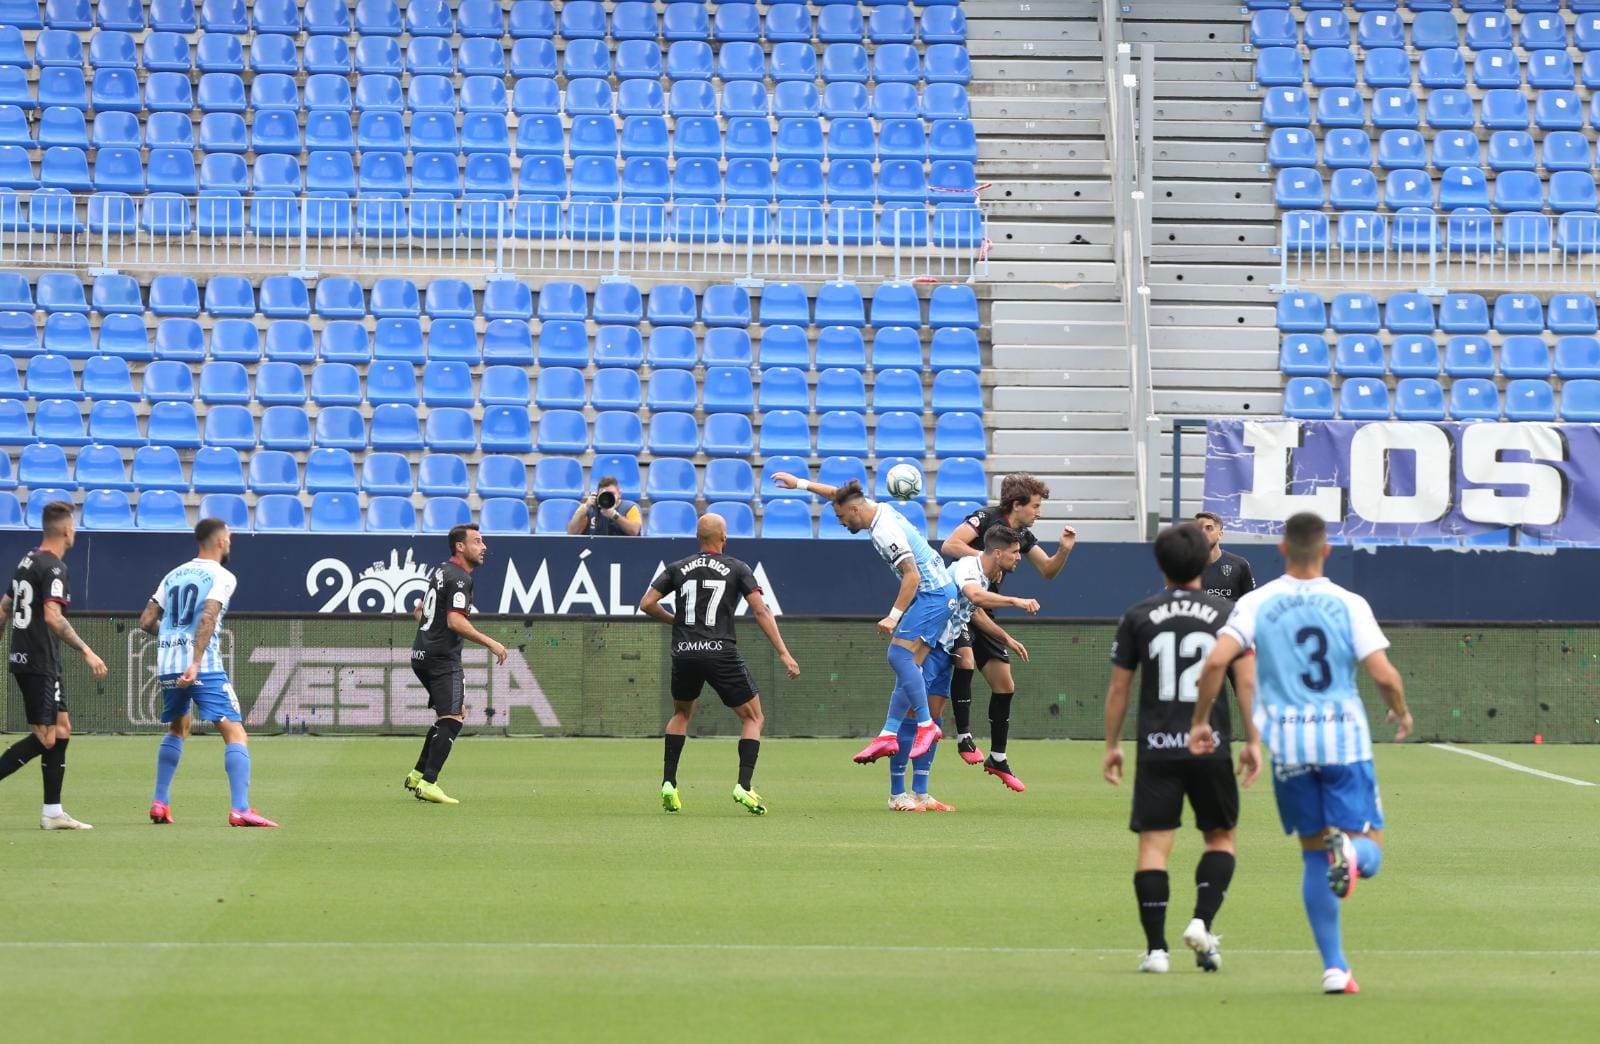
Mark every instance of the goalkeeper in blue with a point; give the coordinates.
(1309, 634)
(915, 623)
(184, 614)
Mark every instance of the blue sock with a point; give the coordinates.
(898, 708)
(236, 759)
(910, 675)
(167, 756)
(1322, 909)
(907, 735)
(924, 765)
(1369, 856)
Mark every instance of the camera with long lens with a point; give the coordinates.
(605, 500)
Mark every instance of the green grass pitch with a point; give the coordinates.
(558, 902)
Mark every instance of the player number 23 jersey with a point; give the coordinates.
(182, 596)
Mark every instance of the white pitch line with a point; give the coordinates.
(512, 946)
(1512, 765)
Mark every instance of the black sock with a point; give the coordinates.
(961, 700)
(1152, 890)
(20, 753)
(999, 720)
(669, 765)
(447, 729)
(53, 766)
(422, 759)
(1211, 877)
(749, 750)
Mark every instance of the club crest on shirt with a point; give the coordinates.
(1227, 570)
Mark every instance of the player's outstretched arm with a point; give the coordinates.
(56, 620)
(769, 627)
(1201, 738)
(984, 599)
(1393, 691)
(1116, 713)
(150, 619)
(1050, 566)
(985, 623)
(784, 480)
(963, 543)
(650, 605)
(459, 623)
(910, 580)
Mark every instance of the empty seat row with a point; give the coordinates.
(1466, 313)
(1354, 188)
(1463, 355)
(722, 389)
(1423, 398)
(1444, 109)
(1409, 150)
(1435, 69)
(534, 96)
(1484, 30)
(339, 297)
(502, 429)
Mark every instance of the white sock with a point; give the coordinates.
(51, 811)
(886, 732)
(998, 755)
(964, 736)
(924, 723)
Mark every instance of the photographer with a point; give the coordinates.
(605, 513)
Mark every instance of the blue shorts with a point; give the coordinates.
(925, 618)
(211, 694)
(936, 672)
(1312, 798)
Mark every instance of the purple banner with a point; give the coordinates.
(1407, 479)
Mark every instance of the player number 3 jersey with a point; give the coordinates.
(40, 577)
(182, 596)
(1309, 636)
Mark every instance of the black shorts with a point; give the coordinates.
(727, 675)
(446, 690)
(42, 697)
(986, 648)
(1160, 785)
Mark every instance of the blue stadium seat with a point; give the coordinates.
(561, 388)
(1571, 314)
(507, 299)
(899, 433)
(960, 479)
(345, 341)
(671, 478)
(162, 509)
(41, 466)
(125, 336)
(558, 478)
(960, 435)
(843, 389)
(1451, 109)
(450, 429)
(324, 55)
(1414, 355)
(168, 381)
(893, 390)
(508, 341)
(1292, 147)
(280, 513)
(618, 431)
(14, 427)
(1301, 313)
(563, 431)
(341, 513)
(1580, 400)
(1474, 398)
(786, 519)
(617, 389)
(231, 426)
(224, 382)
(784, 388)
(1469, 356)
(501, 477)
(174, 424)
(1441, 67)
(1419, 398)
(68, 334)
(440, 514)
(1518, 313)
(229, 507)
(1287, 107)
(956, 390)
(334, 471)
(386, 474)
(1354, 313)
(1364, 398)
(840, 346)
(158, 467)
(274, 471)
(449, 383)
(1308, 398)
(553, 516)
(671, 518)
(897, 347)
(104, 377)
(1525, 355)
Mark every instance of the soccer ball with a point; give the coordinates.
(904, 481)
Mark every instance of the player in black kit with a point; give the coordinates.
(1169, 636)
(1227, 574)
(706, 588)
(443, 620)
(1021, 500)
(39, 592)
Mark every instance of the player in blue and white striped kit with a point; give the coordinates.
(1309, 634)
(184, 615)
(916, 621)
